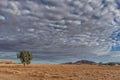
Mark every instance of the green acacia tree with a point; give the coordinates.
(25, 57)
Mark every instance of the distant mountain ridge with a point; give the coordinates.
(92, 62)
(81, 62)
(84, 62)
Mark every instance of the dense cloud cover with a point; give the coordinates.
(57, 29)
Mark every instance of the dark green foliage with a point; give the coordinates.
(25, 57)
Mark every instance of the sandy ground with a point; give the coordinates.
(58, 72)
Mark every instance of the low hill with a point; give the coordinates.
(84, 62)
(81, 62)
(7, 62)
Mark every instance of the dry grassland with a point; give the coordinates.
(58, 72)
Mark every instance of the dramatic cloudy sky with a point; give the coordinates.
(60, 30)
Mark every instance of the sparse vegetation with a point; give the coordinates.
(100, 63)
(111, 64)
(25, 57)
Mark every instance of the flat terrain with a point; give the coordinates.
(58, 72)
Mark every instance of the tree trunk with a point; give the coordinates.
(24, 64)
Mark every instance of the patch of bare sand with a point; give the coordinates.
(58, 72)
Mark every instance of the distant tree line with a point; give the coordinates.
(109, 63)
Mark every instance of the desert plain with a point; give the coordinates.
(58, 72)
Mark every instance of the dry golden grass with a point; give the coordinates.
(58, 72)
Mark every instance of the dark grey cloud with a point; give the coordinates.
(73, 28)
